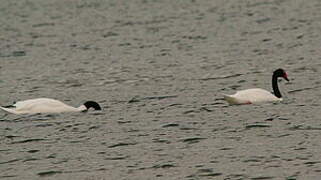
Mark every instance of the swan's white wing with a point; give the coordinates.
(41, 105)
(33, 103)
(250, 96)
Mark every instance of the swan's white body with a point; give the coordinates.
(251, 96)
(41, 105)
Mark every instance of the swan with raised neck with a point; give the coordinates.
(257, 95)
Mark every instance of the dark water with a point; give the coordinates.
(158, 69)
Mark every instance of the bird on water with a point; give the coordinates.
(257, 95)
(47, 105)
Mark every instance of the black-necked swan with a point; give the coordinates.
(257, 95)
(46, 105)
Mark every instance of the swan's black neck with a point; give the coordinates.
(92, 104)
(275, 86)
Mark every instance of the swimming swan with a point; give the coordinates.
(46, 105)
(257, 95)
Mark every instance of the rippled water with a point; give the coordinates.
(158, 68)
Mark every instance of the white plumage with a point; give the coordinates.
(46, 105)
(251, 96)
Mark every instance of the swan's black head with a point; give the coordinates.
(92, 104)
(281, 73)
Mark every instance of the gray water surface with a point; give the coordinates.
(158, 68)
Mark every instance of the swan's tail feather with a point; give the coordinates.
(8, 110)
(230, 99)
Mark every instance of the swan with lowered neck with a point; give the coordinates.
(46, 105)
(257, 95)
